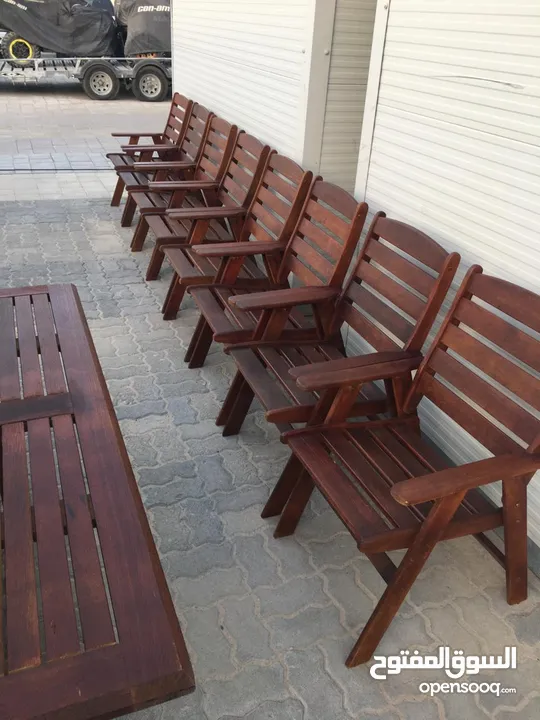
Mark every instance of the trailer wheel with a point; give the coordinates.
(100, 82)
(17, 50)
(150, 84)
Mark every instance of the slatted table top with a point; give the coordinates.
(87, 625)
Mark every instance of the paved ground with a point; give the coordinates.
(268, 622)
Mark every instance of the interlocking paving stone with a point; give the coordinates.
(269, 622)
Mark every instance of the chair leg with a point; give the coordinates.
(117, 194)
(199, 345)
(240, 409)
(174, 298)
(515, 539)
(283, 489)
(199, 329)
(229, 401)
(139, 236)
(156, 261)
(296, 504)
(431, 531)
(129, 212)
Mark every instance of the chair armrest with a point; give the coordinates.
(355, 370)
(136, 134)
(157, 165)
(465, 477)
(146, 148)
(182, 184)
(288, 297)
(206, 213)
(238, 249)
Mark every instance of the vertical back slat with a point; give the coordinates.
(91, 596)
(23, 643)
(60, 626)
(48, 344)
(9, 377)
(28, 351)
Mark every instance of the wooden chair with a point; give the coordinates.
(268, 221)
(392, 489)
(235, 190)
(390, 300)
(317, 255)
(87, 625)
(165, 144)
(183, 165)
(212, 162)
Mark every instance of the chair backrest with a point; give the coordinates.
(244, 171)
(397, 287)
(325, 237)
(277, 201)
(196, 128)
(483, 368)
(176, 126)
(216, 151)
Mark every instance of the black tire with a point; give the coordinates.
(100, 82)
(17, 50)
(150, 84)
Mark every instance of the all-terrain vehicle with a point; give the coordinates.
(102, 45)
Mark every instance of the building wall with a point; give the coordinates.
(454, 145)
(347, 81)
(247, 61)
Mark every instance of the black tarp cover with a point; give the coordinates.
(148, 26)
(76, 28)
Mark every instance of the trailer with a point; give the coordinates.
(148, 78)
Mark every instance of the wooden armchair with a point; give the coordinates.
(392, 489)
(204, 177)
(265, 225)
(317, 255)
(165, 145)
(391, 300)
(234, 191)
(182, 165)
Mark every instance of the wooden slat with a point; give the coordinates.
(265, 388)
(91, 596)
(328, 219)
(360, 519)
(383, 313)
(2, 608)
(278, 365)
(389, 288)
(313, 260)
(489, 435)
(474, 501)
(415, 243)
(143, 608)
(9, 364)
(28, 350)
(48, 345)
(369, 480)
(60, 626)
(314, 233)
(492, 363)
(368, 331)
(482, 393)
(402, 268)
(497, 330)
(23, 643)
(279, 184)
(515, 301)
(271, 202)
(13, 411)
